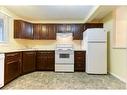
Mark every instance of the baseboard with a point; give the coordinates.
(123, 80)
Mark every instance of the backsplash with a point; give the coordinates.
(48, 44)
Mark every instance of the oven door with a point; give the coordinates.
(64, 57)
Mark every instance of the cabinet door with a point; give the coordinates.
(51, 32)
(12, 70)
(45, 61)
(60, 28)
(17, 29)
(28, 30)
(12, 66)
(29, 60)
(36, 31)
(23, 29)
(64, 28)
(40, 31)
(51, 60)
(77, 31)
(93, 25)
(41, 60)
(79, 60)
(44, 32)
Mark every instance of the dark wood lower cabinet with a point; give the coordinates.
(79, 61)
(12, 66)
(28, 61)
(18, 63)
(45, 60)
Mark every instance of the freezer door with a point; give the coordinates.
(96, 58)
(96, 35)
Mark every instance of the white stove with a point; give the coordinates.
(64, 58)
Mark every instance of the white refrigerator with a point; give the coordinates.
(95, 44)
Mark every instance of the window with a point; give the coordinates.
(4, 25)
(1, 30)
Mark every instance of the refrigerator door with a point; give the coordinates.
(96, 58)
(96, 35)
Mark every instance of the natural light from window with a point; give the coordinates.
(4, 25)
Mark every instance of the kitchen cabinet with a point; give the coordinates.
(38, 31)
(77, 30)
(28, 61)
(63, 28)
(13, 64)
(93, 25)
(48, 31)
(79, 61)
(23, 29)
(44, 31)
(45, 60)
(51, 32)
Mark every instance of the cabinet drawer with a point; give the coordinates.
(80, 53)
(12, 56)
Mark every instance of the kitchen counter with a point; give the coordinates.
(32, 49)
(79, 50)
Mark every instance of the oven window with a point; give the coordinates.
(64, 56)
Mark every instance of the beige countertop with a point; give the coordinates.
(30, 49)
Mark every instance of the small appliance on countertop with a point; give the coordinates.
(64, 58)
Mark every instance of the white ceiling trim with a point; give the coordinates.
(91, 13)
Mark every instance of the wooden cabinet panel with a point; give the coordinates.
(78, 31)
(51, 32)
(23, 29)
(17, 29)
(93, 25)
(36, 31)
(13, 65)
(28, 61)
(79, 61)
(44, 31)
(26, 30)
(45, 60)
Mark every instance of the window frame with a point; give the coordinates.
(5, 28)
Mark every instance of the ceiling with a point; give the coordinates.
(36, 13)
(101, 12)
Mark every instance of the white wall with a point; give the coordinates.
(22, 43)
(117, 53)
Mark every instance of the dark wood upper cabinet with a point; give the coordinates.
(77, 30)
(13, 64)
(63, 28)
(44, 31)
(37, 29)
(23, 29)
(51, 32)
(93, 25)
(45, 60)
(26, 30)
(28, 61)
